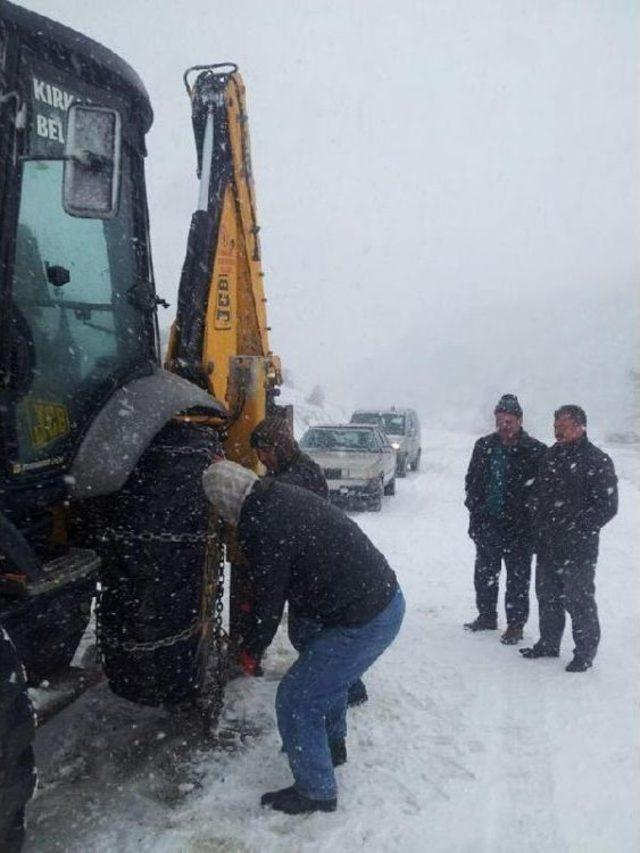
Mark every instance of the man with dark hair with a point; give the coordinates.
(502, 469)
(305, 551)
(278, 451)
(574, 496)
(273, 441)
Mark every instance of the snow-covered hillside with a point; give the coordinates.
(464, 747)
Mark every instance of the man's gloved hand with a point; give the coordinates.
(249, 664)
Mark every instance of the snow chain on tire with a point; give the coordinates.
(159, 616)
(214, 660)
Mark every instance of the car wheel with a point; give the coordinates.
(390, 488)
(416, 464)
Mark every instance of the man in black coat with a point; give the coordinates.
(501, 471)
(574, 496)
(273, 441)
(278, 451)
(305, 551)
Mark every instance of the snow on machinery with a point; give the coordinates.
(102, 448)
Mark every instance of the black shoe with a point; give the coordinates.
(338, 752)
(579, 665)
(511, 636)
(539, 651)
(357, 694)
(289, 801)
(481, 624)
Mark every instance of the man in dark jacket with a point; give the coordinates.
(501, 471)
(575, 495)
(278, 451)
(305, 551)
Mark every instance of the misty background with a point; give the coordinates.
(448, 191)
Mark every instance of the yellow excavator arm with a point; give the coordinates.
(220, 337)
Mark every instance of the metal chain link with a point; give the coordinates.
(150, 645)
(211, 700)
(168, 450)
(214, 668)
(222, 661)
(120, 535)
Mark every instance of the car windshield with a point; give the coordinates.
(393, 424)
(367, 418)
(339, 439)
(390, 422)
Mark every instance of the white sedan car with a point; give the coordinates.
(358, 462)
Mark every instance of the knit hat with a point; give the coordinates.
(508, 404)
(273, 432)
(227, 484)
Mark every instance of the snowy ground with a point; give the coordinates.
(463, 746)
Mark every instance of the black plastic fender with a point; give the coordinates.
(127, 425)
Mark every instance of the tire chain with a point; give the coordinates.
(211, 699)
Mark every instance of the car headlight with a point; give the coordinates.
(395, 445)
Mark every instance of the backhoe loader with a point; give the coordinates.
(102, 445)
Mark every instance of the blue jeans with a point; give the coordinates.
(301, 632)
(311, 702)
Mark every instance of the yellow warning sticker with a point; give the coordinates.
(48, 422)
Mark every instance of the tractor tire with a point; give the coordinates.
(17, 731)
(153, 575)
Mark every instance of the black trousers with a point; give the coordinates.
(517, 560)
(568, 585)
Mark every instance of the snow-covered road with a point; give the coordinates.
(463, 746)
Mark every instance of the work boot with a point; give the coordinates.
(289, 801)
(357, 694)
(482, 623)
(539, 650)
(511, 636)
(578, 664)
(338, 752)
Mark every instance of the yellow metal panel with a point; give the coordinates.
(221, 322)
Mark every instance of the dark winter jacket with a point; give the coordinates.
(512, 523)
(575, 494)
(302, 471)
(304, 550)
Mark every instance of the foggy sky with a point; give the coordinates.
(448, 191)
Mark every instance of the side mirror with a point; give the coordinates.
(91, 182)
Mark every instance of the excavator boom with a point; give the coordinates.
(221, 312)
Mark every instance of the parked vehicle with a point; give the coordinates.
(402, 428)
(358, 462)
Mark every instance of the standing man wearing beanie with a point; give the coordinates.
(501, 472)
(305, 551)
(273, 441)
(575, 495)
